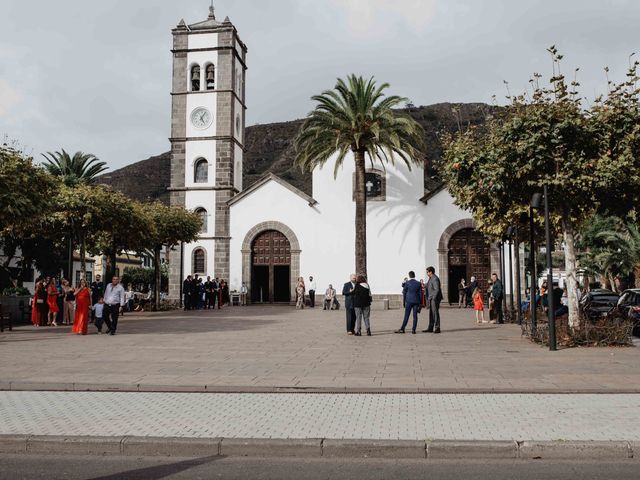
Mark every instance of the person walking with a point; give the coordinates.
(52, 302)
(300, 294)
(478, 305)
(113, 299)
(83, 303)
(498, 296)
(412, 293)
(435, 297)
(462, 293)
(362, 304)
(69, 306)
(312, 292)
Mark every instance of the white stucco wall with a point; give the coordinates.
(402, 232)
(195, 150)
(203, 40)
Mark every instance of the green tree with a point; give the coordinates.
(356, 117)
(171, 225)
(547, 138)
(81, 168)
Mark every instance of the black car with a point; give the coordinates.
(599, 303)
(629, 307)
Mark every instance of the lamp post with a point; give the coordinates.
(550, 303)
(536, 203)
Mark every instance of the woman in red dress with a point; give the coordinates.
(52, 302)
(83, 302)
(38, 305)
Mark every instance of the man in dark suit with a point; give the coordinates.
(347, 291)
(498, 297)
(435, 297)
(411, 293)
(187, 291)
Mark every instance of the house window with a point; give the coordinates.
(202, 213)
(198, 261)
(195, 78)
(88, 276)
(375, 187)
(201, 171)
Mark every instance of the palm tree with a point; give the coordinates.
(81, 168)
(357, 117)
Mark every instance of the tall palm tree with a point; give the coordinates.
(357, 117)
(81, 168)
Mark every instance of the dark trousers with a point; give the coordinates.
(111, 313)
(98, 322)
(497, 308)
(434, 314)
(407, 310)
(217, 299)
(187, 301)
(351, 319)
(208, 300)
(312, 298)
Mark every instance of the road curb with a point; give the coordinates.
(312, 448)
(18, 386)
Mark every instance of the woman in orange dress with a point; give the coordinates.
(478, 305)
(52, 302)
(83, 302)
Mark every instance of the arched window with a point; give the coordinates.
(211, 77)
(199, 261)
(195, 78)
(201, 171)
(202, 213)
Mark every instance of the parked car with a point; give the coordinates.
(629, 307)
(599, 303)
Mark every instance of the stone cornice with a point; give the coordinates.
(192, 139)
(211, 91)
(204, 189)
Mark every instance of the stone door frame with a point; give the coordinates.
(294, 269)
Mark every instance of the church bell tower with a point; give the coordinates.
(207, 140)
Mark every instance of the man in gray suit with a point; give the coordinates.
(435, 297)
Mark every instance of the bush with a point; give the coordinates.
(611, 331)
(16, 292)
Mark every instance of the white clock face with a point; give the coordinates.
(201, 118)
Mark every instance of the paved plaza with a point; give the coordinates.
(265, 349)
(496, 417)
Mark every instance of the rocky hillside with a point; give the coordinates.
(270, 149)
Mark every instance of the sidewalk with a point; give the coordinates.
(274, 349)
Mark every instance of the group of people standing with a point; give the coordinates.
(209, 294)
(417, 295)
(495, 298)
(78, 306)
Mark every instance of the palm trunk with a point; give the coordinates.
(361, 214)
(111, 264)
(571, 270)
(156, 271)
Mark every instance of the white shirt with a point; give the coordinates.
(114, 295)
(312, 285)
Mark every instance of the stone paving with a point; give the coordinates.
(270, 348)
(543, 417)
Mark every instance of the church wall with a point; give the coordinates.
(203, 99)
(209, 247)
(203, 40)
(195, 150)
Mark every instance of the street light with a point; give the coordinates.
(535, 203)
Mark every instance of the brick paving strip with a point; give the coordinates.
(352, 425)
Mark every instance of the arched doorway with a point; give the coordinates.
(469, 255)
(270, 268)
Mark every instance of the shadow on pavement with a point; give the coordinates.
(158, 471)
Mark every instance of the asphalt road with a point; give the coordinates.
(17, 467)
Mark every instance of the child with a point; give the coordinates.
(98, 310)
(478, 305)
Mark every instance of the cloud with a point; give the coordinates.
(371, 17)
(9, 97)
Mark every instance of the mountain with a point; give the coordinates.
(269, 148)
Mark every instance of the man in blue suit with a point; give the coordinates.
(411, 292)
(347, 291)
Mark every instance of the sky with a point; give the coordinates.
(95, 76)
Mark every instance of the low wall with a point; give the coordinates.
(14, 306)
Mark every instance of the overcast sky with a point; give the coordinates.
(96, 75)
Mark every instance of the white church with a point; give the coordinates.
(271, 233)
